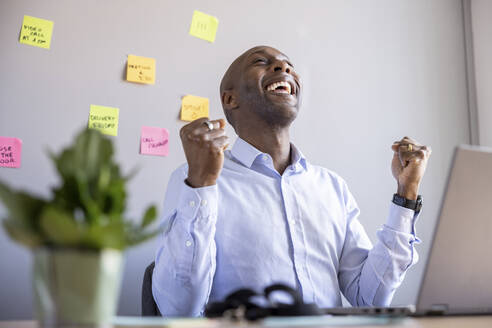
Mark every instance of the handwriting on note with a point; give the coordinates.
(10, 152)
(140, 69)
(204, 26)
(154, 141)
(104, 119)
(193, 107)
(36, 32)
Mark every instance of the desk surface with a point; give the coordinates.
(447, 322)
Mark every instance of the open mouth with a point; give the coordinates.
(280, 87)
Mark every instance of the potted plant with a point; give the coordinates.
(77, 235)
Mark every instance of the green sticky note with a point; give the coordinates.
(204, 26)
(36, 32)
(104, 119)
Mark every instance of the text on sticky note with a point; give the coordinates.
(140, 69)
(154, 141)
(36, 32)
(104, 119)
(204, 26)
(193, 107)
(10, 152)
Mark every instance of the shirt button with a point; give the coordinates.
(204, 202)
(293, 222)
(188, 243)
(192, 203)
(265, 158)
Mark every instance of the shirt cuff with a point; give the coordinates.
(201, 202)
(402, 219)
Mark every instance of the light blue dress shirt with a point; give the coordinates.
(256, 227)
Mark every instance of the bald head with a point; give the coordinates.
(243, 89)
(233, 72)
(233, 76)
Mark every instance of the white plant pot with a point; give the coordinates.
(75, 287)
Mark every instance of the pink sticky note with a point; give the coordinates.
(154, 141)
(10, 152)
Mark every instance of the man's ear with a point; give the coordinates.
(229, 99)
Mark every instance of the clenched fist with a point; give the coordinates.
(408, 166)
(204, 150)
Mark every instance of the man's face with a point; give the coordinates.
(270, 86)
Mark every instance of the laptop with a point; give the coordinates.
(458, 273)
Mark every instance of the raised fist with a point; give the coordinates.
(408, 165)
(204, 150)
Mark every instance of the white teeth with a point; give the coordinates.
(275, 85)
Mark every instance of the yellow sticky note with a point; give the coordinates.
(104, 119)
(204, 26)
(193, 107)
(36, 32)
(140, 69)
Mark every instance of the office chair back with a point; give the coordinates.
(149, 307)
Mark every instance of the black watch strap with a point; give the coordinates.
(415, 205)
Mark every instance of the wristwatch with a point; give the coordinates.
(415, 205)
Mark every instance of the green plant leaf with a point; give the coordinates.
(111, 235)
(92, 210)
(149, 216)
(22, 235)
(115, 200)
(23, 213)
(60, 227)
(21, 206)
(104, 178)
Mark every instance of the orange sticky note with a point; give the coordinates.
(204, 26)
(10, 152)
(36, 32)
(193, 107)
(140, 69)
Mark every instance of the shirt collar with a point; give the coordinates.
(298, 157)
(247, 154)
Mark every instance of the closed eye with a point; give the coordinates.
(259, 60)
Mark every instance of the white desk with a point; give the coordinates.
(434, 322)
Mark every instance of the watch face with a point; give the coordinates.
(398, 200)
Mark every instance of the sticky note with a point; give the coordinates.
(140, 69)
(193, 107)
(10, 152)
(154, 141)
(36, 32)
(104, 119)
(204, 26)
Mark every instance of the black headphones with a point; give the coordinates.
(240, 304)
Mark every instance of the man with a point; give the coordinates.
(260, 213)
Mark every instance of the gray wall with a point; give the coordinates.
(373, 72)
(481, 12)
